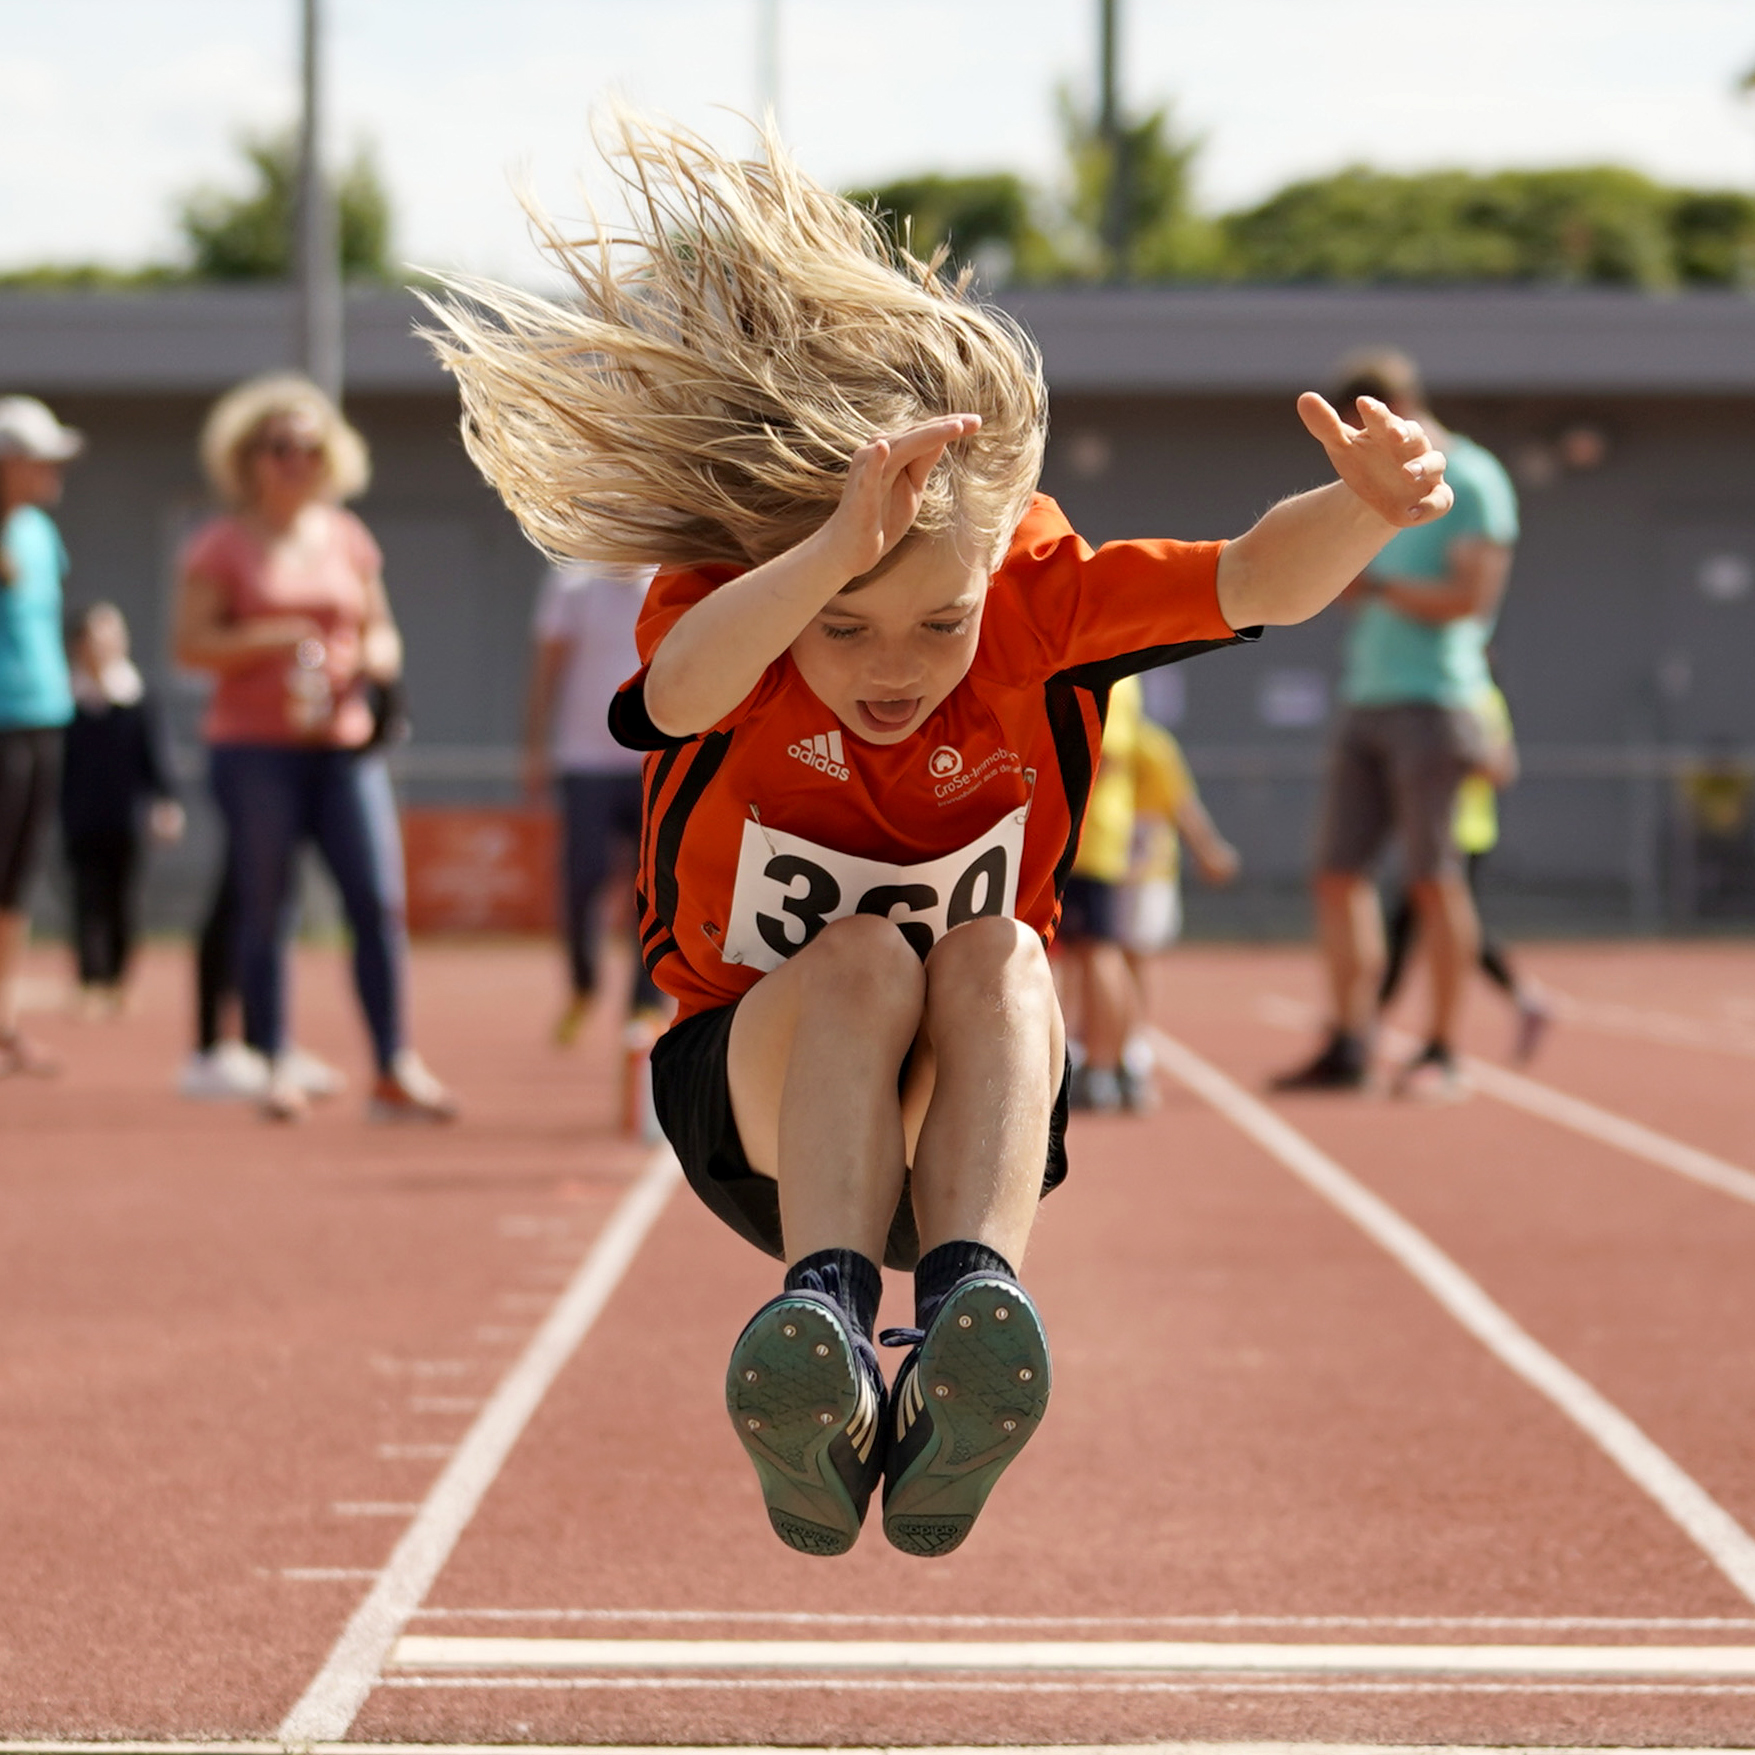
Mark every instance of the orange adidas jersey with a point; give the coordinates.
(779, 819)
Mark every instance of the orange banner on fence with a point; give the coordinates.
(480, 870)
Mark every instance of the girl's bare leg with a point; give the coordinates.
(14, 928)
(815, 1052)
(983, 1083)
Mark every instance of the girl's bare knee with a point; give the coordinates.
(862, 963)
(992, 964)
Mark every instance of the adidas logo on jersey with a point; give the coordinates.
(824, 753)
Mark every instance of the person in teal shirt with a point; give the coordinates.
(36, 695)
(1416, 666)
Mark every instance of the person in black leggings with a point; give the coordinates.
(113, 762)
(36, 697)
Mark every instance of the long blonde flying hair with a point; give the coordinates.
(700, 397)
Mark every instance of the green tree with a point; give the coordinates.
(249, 235)
(983, 221)
(1163, 236)
(1713, 232)
(1598, 225)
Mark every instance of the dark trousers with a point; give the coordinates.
(103, 868)
(30, 782)
(216, 982)
(600, 827)
(1399, 939)
(274, 801)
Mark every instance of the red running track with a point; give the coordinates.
(240, 1363)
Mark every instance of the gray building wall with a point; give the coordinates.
(1172, 414)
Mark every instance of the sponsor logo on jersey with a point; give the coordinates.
(824, 753)
(945, 761)
(955, 780)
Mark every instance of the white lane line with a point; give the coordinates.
(1084, 1685)
(422, 1651)
(328, 1706)
(1712, 1529)
(1673, 1029)
(834, 1618)
(326, 1574)
(242, 1747)
(1573, 1113)
(373, 1508)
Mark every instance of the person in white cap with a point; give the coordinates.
(36, 697)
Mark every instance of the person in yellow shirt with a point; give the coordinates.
(1122, 901)
(1475, 829)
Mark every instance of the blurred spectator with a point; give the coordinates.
(1416, 666)
(1096, 982)
(584, 652)
(36, 698)
(282, 598)
(1123, 899)
(1718, 800)
(114, 763)
(1476, 830)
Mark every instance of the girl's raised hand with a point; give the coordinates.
(1387, 461)
(885, 482)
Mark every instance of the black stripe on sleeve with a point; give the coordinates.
(655, 953)
(1072, 755)
(1102, 674)
(631, 725)
(654, 777)
(710, 751)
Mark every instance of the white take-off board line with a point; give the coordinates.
(328, 1706)
(1706, 1523)
(1094, 1656)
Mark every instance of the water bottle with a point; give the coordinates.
(309, 698)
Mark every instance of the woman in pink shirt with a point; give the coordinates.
(282, 599)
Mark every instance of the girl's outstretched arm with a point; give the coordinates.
(716, 653)
(1302, 554)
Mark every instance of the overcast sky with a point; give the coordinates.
(110, 108)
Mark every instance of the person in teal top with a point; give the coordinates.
(1416, 666)
(36, 695)
(1397, 651)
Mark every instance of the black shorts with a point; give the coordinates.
(691, 1092)
(30, 786)
(1089, 909)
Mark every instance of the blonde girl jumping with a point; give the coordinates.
(875, 668)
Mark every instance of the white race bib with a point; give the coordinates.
(788, 889)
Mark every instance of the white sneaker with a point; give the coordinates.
(410, 1092)
(227, 1072)
(283, 1098)
(313, 1076)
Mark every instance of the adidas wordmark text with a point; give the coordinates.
(823, 752)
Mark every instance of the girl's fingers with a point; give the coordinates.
(931, 436)
(1321, 421)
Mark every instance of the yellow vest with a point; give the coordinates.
(1142, 775)
(1475, 826)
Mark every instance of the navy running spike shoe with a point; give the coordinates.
(806, 1397)
(965, 1403)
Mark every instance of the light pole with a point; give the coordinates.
(317, 245)
(1111, 131)
(768, 60)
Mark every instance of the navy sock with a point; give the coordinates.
(940, 1269)
(851, 1279)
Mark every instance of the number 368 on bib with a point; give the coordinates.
(788, 889)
